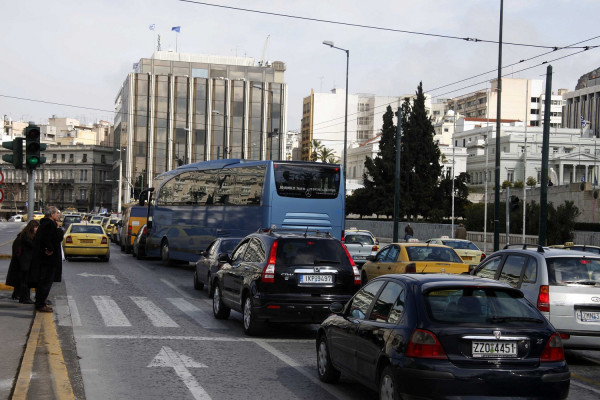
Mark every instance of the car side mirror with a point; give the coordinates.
(336, 308)
(224, 258)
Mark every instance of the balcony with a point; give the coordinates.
(63, 181)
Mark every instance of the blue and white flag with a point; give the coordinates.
(176, 29)
(583, 122)
(151, 27)
(136, 65)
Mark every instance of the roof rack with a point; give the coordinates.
(525, 246)
(304, 231)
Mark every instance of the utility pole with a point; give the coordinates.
(498, 125)
(545, 157)
(397, 180)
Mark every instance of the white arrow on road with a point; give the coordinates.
(111, 277)
(167, 357)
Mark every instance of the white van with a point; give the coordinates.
(16, 218)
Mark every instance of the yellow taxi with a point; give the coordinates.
(96, 219)
(38, 215)
(86, 240)
(467, 250)
(413, 257)
(110, 225)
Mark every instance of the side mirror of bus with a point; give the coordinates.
(224, 258)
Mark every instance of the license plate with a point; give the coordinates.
(316, 279)
(587, 316)
(467, 258)
(86, 240)
(494, 349)
(359, 257)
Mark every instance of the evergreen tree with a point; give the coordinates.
(420, 159)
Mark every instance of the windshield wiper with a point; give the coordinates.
(583, 282)
(524, 319)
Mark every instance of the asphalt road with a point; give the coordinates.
(138, 329)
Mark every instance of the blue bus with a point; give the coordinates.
(191, 205)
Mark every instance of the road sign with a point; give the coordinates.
(1, 178)
(1, 195)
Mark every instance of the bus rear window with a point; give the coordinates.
(307, 181)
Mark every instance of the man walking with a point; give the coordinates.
(46, 266)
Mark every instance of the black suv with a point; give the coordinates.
(284, 276)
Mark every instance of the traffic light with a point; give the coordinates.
(514, 203)
(16, 158)
(33, 147)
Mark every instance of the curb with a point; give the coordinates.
(5, 256)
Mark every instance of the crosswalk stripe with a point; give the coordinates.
(201, 317)
(157, 316)
(110, 311)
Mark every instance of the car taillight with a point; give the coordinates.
(343, 235)
(144, 231)
(69, 239)
(268, 274)
(352, 263)
(375, 248)
(411, 268)
(482, 257)
(104, 240)
(355, 271)
(129, 229)
(424, 344)
(554, 350)
(543, 301)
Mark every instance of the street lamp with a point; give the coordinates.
(330, 44)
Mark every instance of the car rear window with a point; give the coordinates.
(86, 229)
(431, 253)
(71, 220)
(564, 270)
(310, 252)
(479, 305)
(460, 245)
(359, 239)
(138, 212)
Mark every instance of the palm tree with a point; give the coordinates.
(326, 155)
(315, 146)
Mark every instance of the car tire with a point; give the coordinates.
(164, 253)
(105, 258)
(388, 389)
(220, 310)
(210, 288)
(326, 370)
(197, 284)
(252, 326)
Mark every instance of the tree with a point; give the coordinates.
(315, 145)
(531, 182)
(326, 155)
(420, 169)
(518, 185)
(443, 196)
(506, 184)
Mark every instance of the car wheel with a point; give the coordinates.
(252, 326)
(388, 390)
(210, 288)
(164, 253)
(197, 284)
(220, 310)
(363, 278)
(327, 372)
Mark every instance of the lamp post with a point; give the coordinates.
(330, 44)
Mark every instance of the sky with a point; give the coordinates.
(69, 58)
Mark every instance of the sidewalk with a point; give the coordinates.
(15, 324)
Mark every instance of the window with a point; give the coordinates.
(62, 158)
(255, 251)
(84, 158)
(70, 157)
(103, 159)
(389, 305)
(239, 252)
(446, 129)
(530, 274)
(54, 157)
(511, 271)
(510, 175)
(488, 270)
(361, 302)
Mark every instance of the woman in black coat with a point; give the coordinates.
(18, 271)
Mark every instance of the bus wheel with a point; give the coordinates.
(164, 253)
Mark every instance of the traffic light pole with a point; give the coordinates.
(31, 194)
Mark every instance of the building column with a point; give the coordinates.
(574, 174)
(561, 169)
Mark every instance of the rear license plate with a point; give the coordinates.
(359, 257)
(587, 316)
(86, 240)
(316, 279)
(467, 258)
(494, 349)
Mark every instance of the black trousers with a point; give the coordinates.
(42, 289)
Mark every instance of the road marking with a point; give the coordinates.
(201, 317)
(111, 277)
(172, 286)
(67, 313)
(587, 387)
(110, 311)
(191, 338)
(180, 363)
(158, 317)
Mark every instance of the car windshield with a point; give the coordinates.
(309, 252)
(479, 305)
(86, 229)
(432, 253)
(71, 220)
(359, 239)
(564, 270)
(460, 244)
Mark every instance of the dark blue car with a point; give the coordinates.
(443, 336)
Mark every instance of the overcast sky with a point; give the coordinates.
(69, 57)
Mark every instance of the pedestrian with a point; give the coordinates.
(408, 232)
(46, 266)
(461, 232)
(18, 271)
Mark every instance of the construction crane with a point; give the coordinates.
(262, 59)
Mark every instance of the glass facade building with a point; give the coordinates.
(177, 108)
